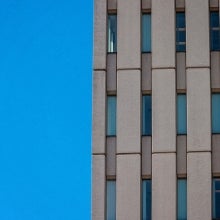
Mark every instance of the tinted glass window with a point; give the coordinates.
(111, 200)
(146, 33)
(146, 112)
(216, 113)
(112, 33)
(181, 114)
(111, 115)
(182, 200)
(146, 199)
(216, 199)
(180, 32)
(214, 31)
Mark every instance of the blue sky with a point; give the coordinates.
(45, 109)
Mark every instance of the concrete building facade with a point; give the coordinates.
(156, 110)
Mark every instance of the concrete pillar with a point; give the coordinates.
(198, 110)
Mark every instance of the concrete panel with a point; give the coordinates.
(98, 187)
(180, 4)
(214, 3)
(198, 110)
(111, 156)
(146, 4)
(215, 69)
(146, 72)
(111, 72)
(164, 186)
(129, 15)
(181, 70)
(100, 21)
(164, 110)
(128, 111)
(112, 4)
(146, 156)
(199, 186)
(216, 154)
(197, 33)
(99, 97)
(163, 33)
(181, 154)
(128, 187)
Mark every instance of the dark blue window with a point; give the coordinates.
(146, 33)
(146, 200)
(146, 112)
(214, 31)
(181, 114)
(216, 198)
(111, 200)
(112, 33)
(216, 113)
(180, 32)
(182, 199)
(111, 115)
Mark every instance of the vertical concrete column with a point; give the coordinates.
(99, 99)
(164, 110)
(128, 110)
(98, 187)
(198, 110)
(100, 37)
(128, 187)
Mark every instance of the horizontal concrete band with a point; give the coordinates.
(104, 154)
(129, 153)
(128, 69)
(97, 69)
(164, 68)
(198, 67)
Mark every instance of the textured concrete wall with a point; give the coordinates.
(146, 156)
(146, 79)
(163, 39)
(98, 187)
(99, 99)
(128, 187)
(111, 156)
(164, 186)
(111, 73)
(128, 111)
(164, 110)
(100, 21)
(181, 70)
(199, 186)
(197, 33)
(198, 110)
(215, 70)
(181, 155)
(129, 15)
(216, 154)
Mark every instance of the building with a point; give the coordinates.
(156, 110)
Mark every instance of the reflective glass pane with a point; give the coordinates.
(216, 199)
(146, 33)
(146, 199)
(180, 20)
(111, 115)
(111, 200)
(214, 19)
(180, 32)
(112, 33)
(182, 199)
(215, 113)
(214, 31)
(181, 114)
(146, 118)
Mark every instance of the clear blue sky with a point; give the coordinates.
(45, 109)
